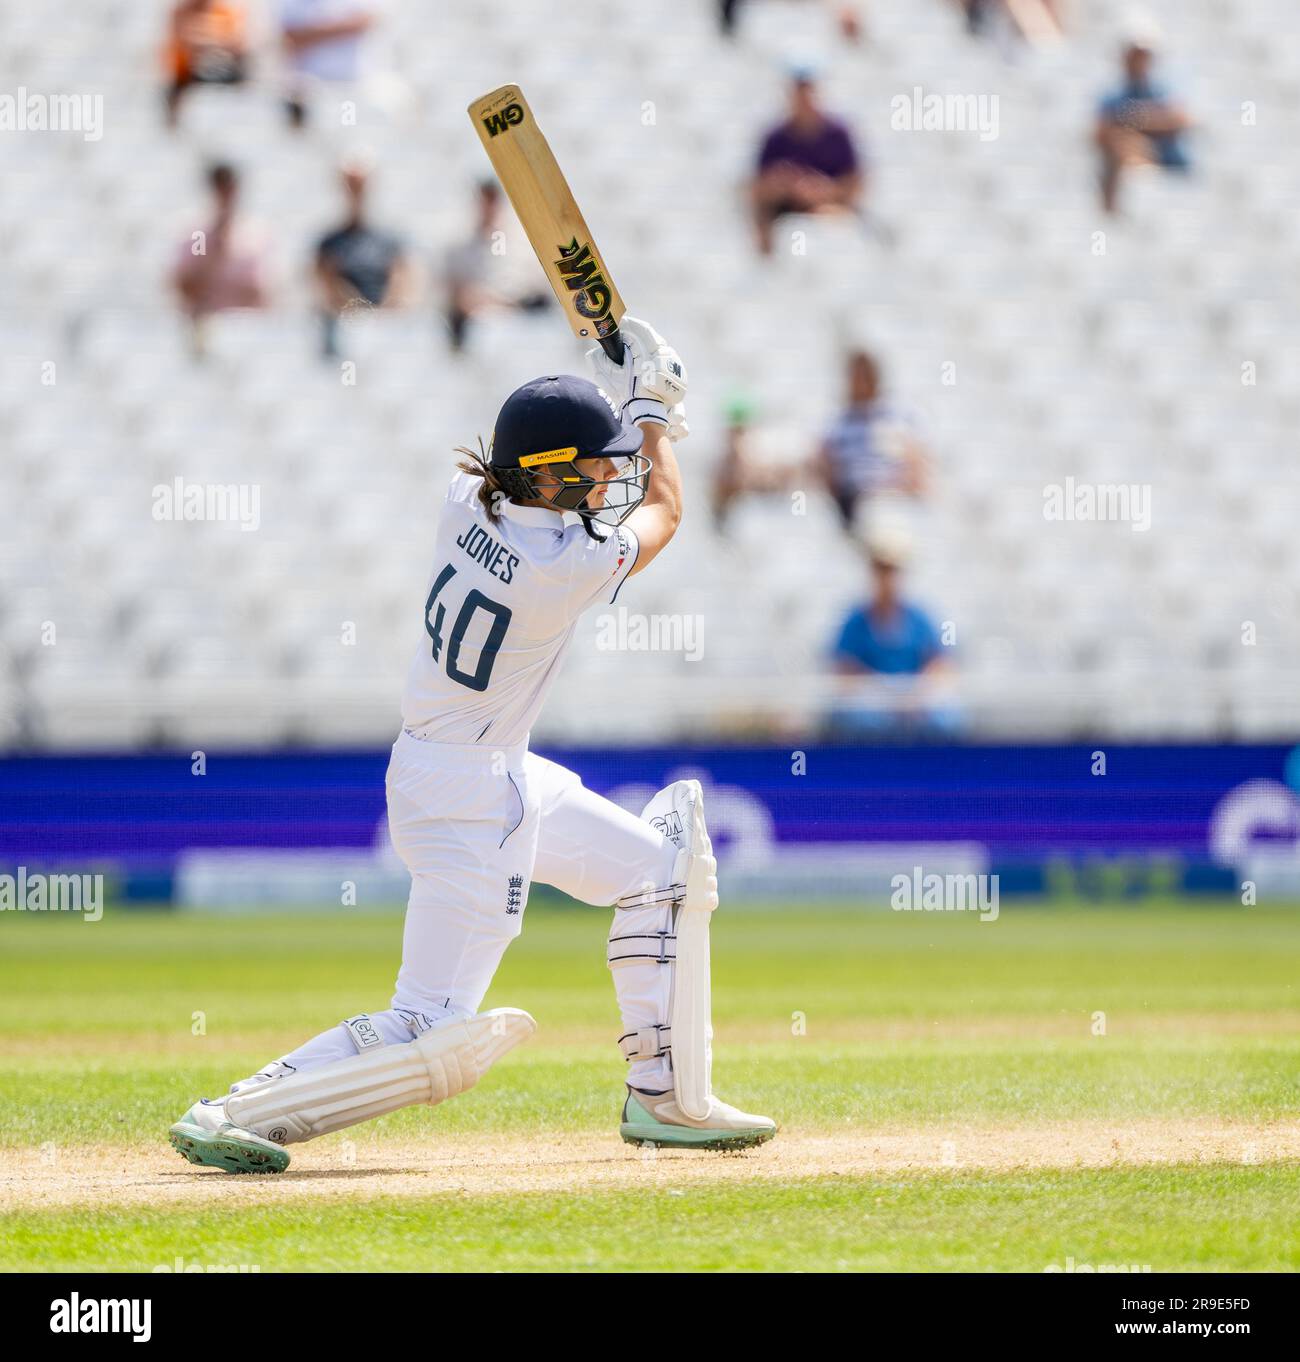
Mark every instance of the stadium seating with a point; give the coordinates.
(1120, 366)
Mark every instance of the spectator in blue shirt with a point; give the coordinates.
(1139, 123)
(893, 642)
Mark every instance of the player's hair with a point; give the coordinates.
(490, 493)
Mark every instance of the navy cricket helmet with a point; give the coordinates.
(545, 426)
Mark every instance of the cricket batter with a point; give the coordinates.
(579, 491)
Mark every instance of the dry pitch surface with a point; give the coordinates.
(491, 1166)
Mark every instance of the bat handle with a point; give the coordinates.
(612, 345)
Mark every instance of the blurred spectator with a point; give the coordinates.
(1140, 122)
(357, 263)
(807, 164)
(872, 447)
(324, 42)
(207, 44)
(892, 645)
(739, 470)
(480, 274)
(226, 263)
(1013, 21)
(847, 17)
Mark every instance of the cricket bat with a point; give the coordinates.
(544, 204)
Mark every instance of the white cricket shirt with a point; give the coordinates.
(503, 599)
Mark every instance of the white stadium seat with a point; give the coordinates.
(1123, 364)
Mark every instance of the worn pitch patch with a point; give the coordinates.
(476, 1165)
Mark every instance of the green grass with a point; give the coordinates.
(1179, 1219)
(833, 1020)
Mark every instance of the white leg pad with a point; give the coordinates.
(447, 1059)
(668, 926)
(692, 1004)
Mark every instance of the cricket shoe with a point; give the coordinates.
(656, 1119)
(204, 1136)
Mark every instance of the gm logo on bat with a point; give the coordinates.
(592, 295)
(504, 119)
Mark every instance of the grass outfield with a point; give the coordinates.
(1104, 1086)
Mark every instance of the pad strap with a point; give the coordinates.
(651, 1042)
(658, 946)
(661, 894)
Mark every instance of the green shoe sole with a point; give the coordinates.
(227, 1152)
(685, 1137)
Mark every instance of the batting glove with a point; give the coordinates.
(650, 383)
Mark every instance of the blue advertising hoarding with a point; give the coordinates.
(1206, 809)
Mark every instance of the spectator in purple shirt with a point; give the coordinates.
(808, 164)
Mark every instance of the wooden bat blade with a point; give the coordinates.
(549, 214)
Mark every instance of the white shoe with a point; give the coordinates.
(204, 1136)
(656, 1119)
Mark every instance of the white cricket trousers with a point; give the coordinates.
(476, 826)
